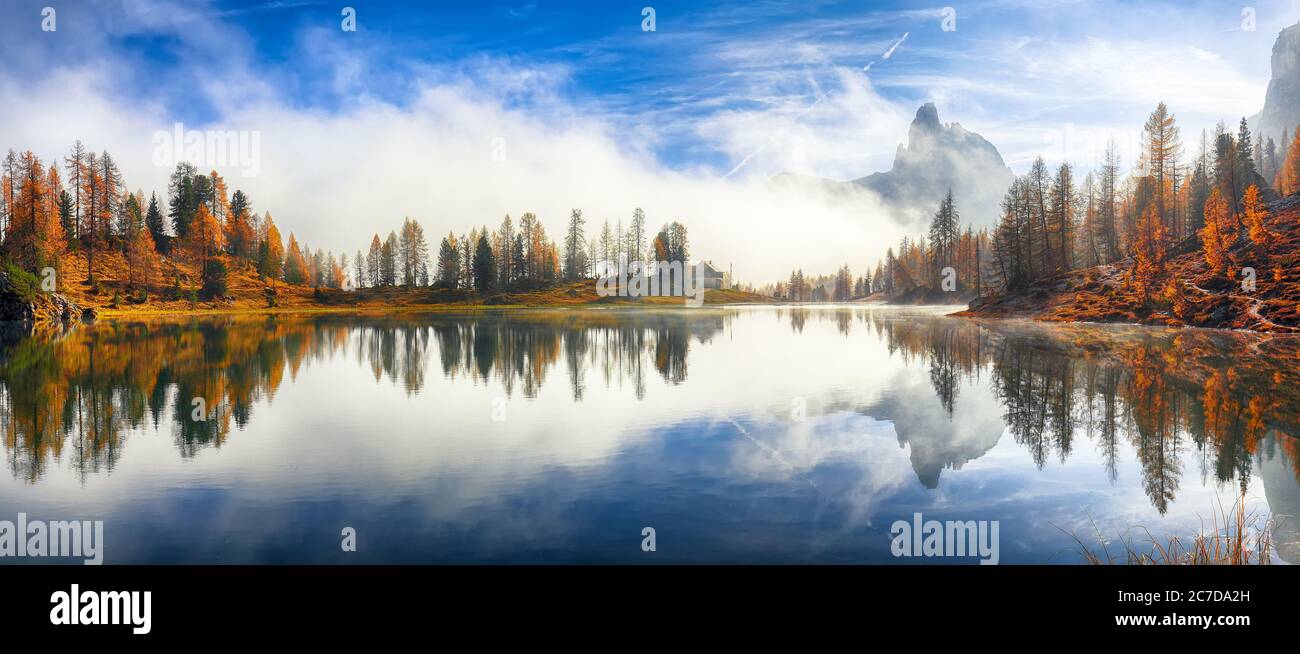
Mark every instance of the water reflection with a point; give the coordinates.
(1217, 404)
(77, 393)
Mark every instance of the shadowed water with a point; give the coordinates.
(739, 435)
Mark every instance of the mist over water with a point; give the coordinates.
(757, 434)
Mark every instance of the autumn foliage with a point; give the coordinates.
(1218, 233)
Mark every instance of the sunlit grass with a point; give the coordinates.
(1234, 536)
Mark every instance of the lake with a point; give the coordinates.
(747, 434)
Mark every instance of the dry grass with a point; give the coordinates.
(246, 293)
(1234, 537)
(1211, 299)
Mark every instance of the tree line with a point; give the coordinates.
(44, 219)
(1051, 224)
(919, 264)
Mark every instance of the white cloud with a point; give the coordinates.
(335, 178)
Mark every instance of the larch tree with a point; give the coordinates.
(295, 266)
(1255, 215)
(359, 270)
(1149, 251)
(141, 258)
(1161, 147)
(1218, 232)
(574, 243)
(1288, 177)
(636, 235)
(271, 261)
(373, 261)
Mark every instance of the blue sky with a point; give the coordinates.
(585, 94)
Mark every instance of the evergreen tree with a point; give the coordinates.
(484, 266)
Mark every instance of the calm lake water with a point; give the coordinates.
(755, 434)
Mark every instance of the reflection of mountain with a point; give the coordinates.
(937, 440)
(1162, 393)
(956, 433)
(1174, 399)
(1282, 491)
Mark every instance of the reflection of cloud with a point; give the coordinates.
(1282, 492)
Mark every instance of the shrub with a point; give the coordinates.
(23, 283)
(214, 279)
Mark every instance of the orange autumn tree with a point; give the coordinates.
(1149, 251)
(141, 258)
(51, 239)
(1253, 215)
(203, 243)
(1288, 177)
(34, 234)
(270, 260)
(295, 267)
(1218, 233)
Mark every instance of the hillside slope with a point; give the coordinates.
(1100, 294)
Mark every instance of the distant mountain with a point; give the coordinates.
(1282, 102)
(937, 157)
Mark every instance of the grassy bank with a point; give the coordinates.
(1186, 293)
(247, 293)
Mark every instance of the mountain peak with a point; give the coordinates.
(927, 117)
(1282, 101)
(938, 157)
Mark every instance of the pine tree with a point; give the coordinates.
(239, 227)
(449, 262)
(484, 266)
(154, 220)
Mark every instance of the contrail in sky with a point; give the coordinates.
(890, 52)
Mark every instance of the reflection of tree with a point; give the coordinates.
(83, 391)
(1157, 392)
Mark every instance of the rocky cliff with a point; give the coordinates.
(1282, 101)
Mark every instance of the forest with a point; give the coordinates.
(1215, 203)
(187, 244)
